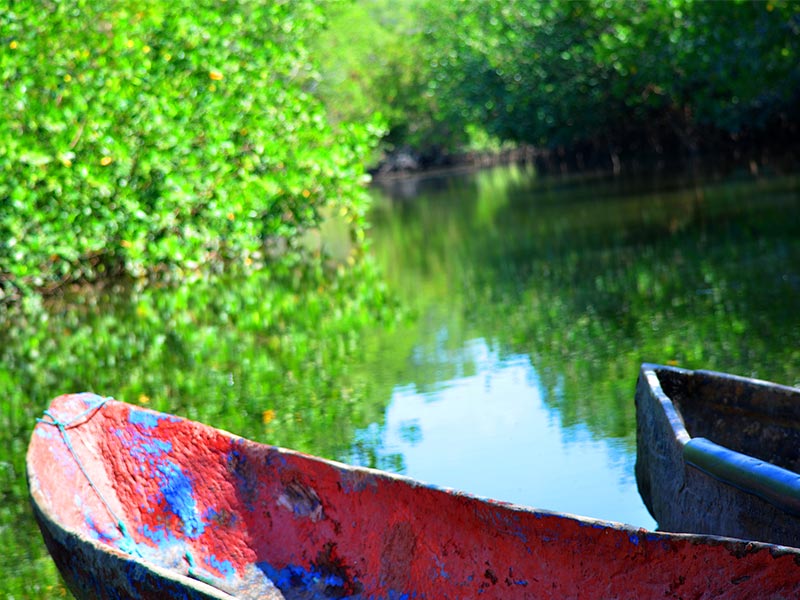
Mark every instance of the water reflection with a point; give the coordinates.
(530, 301)
(538, 298)
(492, 433)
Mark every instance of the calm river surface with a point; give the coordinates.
(538, 298)
(516, 310)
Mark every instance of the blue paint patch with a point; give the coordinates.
(158, 536)
(288, 577)
(246, 483)
(144, 447)
(146, 452)
(333, 580)
(223, 566)
(156, 447)
(45, 432)
(440, 564)
(213, 515)
(294, 577)
(507, 523)
(634, 539)
(143, 418)
(177, 490)
(318, 584)
(126, 544)
(97, 533)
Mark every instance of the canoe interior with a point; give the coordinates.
(718, 454)
(175, 505)
(751, 417)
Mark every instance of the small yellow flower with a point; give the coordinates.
(129, 43)
(106, 160)
(146, 49)
(306, 193)
(230, 216)
(268, 416)
(212, 88)
(67, 77)
(144, 399)
(13, 45)
(216, 75)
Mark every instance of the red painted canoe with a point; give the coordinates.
(719, 453)
(138, 504)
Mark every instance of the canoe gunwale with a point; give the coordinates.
(649, 372)
(778, 486)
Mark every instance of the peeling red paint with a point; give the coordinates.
(196, 503)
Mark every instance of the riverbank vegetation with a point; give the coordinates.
(202, 165)
(590, 275)
(165, 139)
(182, 226)
(174, 139)
(591, 82)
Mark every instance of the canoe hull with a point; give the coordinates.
(197, 503)
(90, 573)
(674, 407)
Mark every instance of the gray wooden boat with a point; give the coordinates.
(719, 454)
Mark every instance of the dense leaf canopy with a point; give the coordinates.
(660, 77)
(168, 136)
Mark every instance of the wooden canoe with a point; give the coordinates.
(719, 454)
(138, 504)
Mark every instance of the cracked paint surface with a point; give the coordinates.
(176, 505)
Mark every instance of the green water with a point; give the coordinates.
(499, 356)
(538, 298)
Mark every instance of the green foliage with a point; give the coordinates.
(371, 63)
(169, 140)
(164, 136)
(610, 77)
(280, 360)
(620, 73)
(591, 277)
